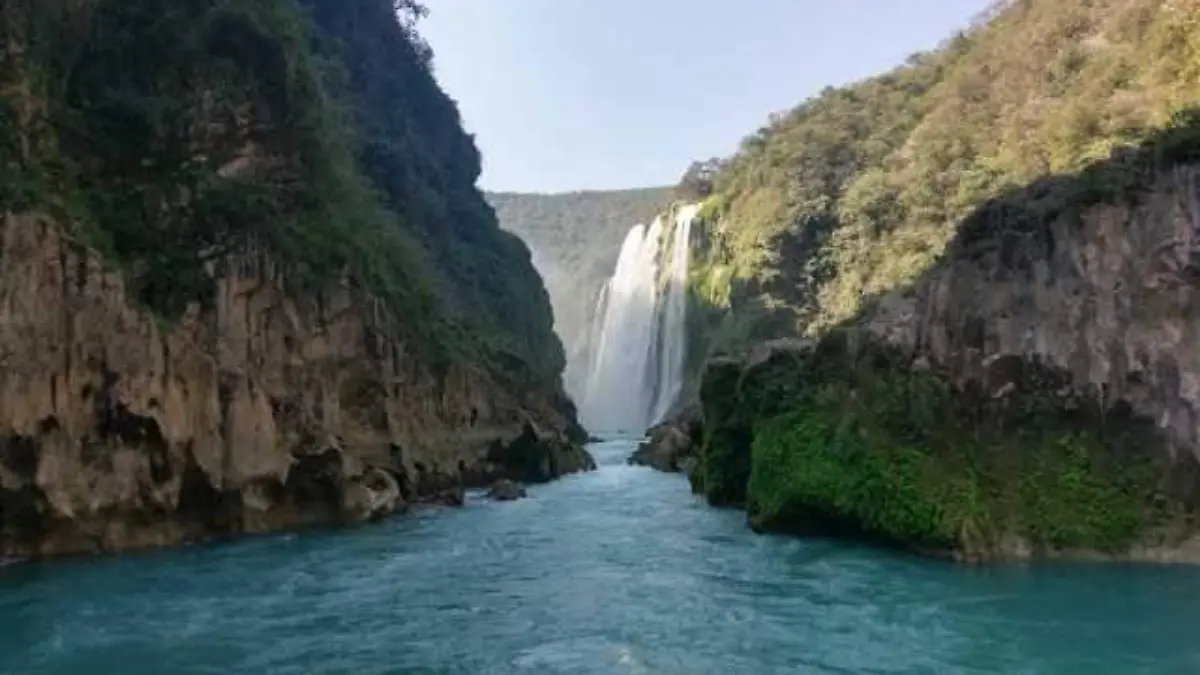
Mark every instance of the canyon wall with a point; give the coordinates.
(247, 281)
(257, 413)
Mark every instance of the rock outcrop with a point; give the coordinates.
(256, 412)
(505, 490)
(1108, 294)
(372, 496)
(672, 445)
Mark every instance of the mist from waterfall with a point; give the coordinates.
(637, 350)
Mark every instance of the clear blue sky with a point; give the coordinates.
(601, 94)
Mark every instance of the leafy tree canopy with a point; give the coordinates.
(858, 190)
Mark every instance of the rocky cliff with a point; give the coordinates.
(1106, 294)
(961, 297)
(246, 280)
(261, 412)
(1034, 394)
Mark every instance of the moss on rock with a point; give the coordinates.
(858, 442)
(723, 467)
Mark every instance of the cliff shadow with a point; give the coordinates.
(1035, 239)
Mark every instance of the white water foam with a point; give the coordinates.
(636, 364)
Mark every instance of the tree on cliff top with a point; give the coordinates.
(857, 190)
(697, 181)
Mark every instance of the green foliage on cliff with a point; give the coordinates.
(310, 132)
(1047, 107)
(723, 466)
(163, 96)
(831, 442)
(857, 191)
(867, 465)
(417, 155)
(888, 455)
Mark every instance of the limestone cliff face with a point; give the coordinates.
(255, 413)
(1108, 294)
(1036, 393)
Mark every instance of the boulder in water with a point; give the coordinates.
(505, 490)
(450, 496)
(370, 497)
(672, 445)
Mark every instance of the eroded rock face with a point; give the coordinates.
(371, 496)
(1109, 294)
(255, 413)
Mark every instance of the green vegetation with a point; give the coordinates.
(858, 191)
(173, 134)
(963, 156)
(864, 445)
(872, 463)
(417, 155)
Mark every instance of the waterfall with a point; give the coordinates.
(617, 398)
(673, 338)
(636, 360)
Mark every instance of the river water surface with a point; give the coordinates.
(617, 571)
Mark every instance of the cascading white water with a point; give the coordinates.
(673, 330)
(635, 368)
(617, 398)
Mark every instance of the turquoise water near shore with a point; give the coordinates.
(616, 571)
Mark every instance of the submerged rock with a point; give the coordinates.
(505, 490)
(453, 497)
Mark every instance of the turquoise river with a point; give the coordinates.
(617, 571)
